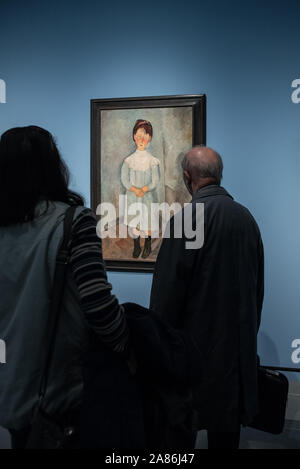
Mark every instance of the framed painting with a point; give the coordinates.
(137, 145)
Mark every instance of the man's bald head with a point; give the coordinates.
(202, 166)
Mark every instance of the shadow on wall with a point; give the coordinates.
(267, 349)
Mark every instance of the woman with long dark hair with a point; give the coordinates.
(34, 197)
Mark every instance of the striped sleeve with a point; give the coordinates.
(102, 310)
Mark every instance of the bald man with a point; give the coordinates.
(215, 294)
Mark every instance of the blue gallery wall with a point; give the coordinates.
(55, 56)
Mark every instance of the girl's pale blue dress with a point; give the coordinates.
(140, 169)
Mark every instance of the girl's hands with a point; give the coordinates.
(139, 192)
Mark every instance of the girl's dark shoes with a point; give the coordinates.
(147, 248)
(137, 247)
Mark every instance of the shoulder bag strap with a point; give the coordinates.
(57, 296)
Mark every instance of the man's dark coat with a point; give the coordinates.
(215, 293)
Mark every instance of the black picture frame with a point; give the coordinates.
(196, 102)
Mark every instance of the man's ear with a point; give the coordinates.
(187, 176)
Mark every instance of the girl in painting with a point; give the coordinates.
(140, 176)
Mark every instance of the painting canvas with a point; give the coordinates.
(137, 148)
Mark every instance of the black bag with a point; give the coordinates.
(273, 390)
(45, 432)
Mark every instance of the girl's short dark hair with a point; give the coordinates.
(142, 124)
(31, 170)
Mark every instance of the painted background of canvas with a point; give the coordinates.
(172, 138)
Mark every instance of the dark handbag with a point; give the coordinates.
(273, 390)
(45, 432)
